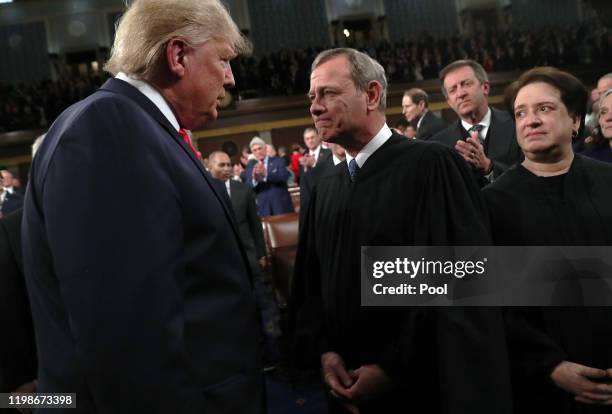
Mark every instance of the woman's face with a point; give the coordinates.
(543, 124)
(605, 117)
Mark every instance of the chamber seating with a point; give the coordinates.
(281, 236)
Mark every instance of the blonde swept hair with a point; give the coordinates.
(148, 25)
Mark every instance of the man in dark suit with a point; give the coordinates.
(267, 176)
(10, 199)
(17, 347)
(141, 299)
(415, 108)
(484, 136)
(314, 153)
(251, 232)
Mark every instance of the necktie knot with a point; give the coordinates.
(476, 129)
(353, 168)
(185, 136)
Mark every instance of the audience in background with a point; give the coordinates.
(415, 107)
(286, 72)
(267, 176)
(600, 146)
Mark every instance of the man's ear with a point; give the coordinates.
(486, 86)
(176, 49)
(374, 94)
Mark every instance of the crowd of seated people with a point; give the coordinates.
(422, 56)
(286, 72)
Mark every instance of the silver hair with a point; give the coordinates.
(37, 143)
(363, 68)
(257, 141)
(606, 76)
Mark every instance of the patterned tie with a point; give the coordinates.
(189, 144)
(353, 168)
(476, 129)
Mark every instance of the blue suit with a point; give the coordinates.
(272, 194)
(140, 292)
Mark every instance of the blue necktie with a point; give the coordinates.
(353, 168)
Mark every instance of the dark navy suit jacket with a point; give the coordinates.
(138, 282)
(272, 194)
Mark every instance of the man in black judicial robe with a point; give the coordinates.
(327, 161)
(564, 210)
(388, 360)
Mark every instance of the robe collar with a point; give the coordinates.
(375, 143)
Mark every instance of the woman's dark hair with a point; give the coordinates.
(573, 93)
(599, 141)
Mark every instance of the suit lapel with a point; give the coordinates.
(125, 89)
(498, 139)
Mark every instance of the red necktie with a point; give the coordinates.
(189, 144)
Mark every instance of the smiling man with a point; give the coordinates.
(388, 191)
(140, 294)
(484, 136)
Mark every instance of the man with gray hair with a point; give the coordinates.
(603, 84)
(484, 136)
(415, 104)
(267, 176)
(388, 191)
(142, 300)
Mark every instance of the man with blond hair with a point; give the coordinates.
(142, 299)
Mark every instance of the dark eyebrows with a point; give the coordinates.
(537, 104)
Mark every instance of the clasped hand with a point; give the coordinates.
(473, 153)
(581, 381)
(352, 386)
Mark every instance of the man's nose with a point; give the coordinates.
(229, 77)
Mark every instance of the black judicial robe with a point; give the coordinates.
(442, 360)
(571, 209)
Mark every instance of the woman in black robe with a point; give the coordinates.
(560, 357)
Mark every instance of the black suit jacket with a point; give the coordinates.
(12, 202)
(249, 224)
(141, 298)
(500, 143)
(322, 152)
(430, 125)
(17, 346)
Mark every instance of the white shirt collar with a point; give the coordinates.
(153, 95)
(486, 122)
(227, 186)
(375, 143)
(421, 120)
(336, 159)
(316, 152)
